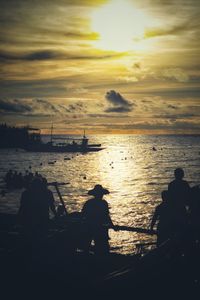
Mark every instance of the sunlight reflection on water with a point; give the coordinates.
(128, 167)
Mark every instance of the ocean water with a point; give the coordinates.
(134, 174)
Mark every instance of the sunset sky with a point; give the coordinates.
(118, 66)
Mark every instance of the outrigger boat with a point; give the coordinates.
(29, 139)
(170, 271)
(58, 269)
(82, 145)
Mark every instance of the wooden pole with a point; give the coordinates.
(56, 184)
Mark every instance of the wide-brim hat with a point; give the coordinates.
(98, 190)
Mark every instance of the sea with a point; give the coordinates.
(134, 168)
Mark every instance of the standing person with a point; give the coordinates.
(97, 218)
(9, 179)
(179, 193)
(164, 217)
(33, 213)
(179, 189)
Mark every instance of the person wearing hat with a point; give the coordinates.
(97, 220)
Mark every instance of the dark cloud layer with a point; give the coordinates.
(13, 106)
(118, 103)
(51, 55)
(38, 107)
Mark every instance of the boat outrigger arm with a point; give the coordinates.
(117, 227)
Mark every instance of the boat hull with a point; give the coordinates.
(63, 149)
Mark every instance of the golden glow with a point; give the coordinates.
(120, 25)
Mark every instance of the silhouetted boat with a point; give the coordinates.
(29, 139)
(83, 147)
(35, 144)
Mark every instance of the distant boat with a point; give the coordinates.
(76, 145)
(29, 139)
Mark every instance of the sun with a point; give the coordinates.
(119, 25)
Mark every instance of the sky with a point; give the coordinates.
(118, 66)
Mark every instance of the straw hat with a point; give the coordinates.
(98, 190)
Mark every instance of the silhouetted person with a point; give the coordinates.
(179, 189)
(194, 212)
(15, 180)
(9, 179)
(179, 193)
(164, 216)
(96, 215)
(34, 210)
(19, 181)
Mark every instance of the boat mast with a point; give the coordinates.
(84, 140)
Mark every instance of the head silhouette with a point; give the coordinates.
(179, 173)
(98, 191)
(165, 195)
(37, 185)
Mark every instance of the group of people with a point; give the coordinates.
(36, 202)
(179, 212)
(17, 180)
(178, 208)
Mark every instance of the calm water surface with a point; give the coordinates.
(128, 167)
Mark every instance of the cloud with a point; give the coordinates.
(14, 106)
(128, 78)
(37, 55)
(118, 103)
(137, 65)
(30, 107)
(119, 109)
(173, 30)
(77, 107)
(55, 55)
(172, 106)
(176, 73)
(44, 105)
(39, 107)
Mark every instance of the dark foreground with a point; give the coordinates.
(56, 269)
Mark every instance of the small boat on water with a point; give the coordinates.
(72, 145)
(29, 139)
